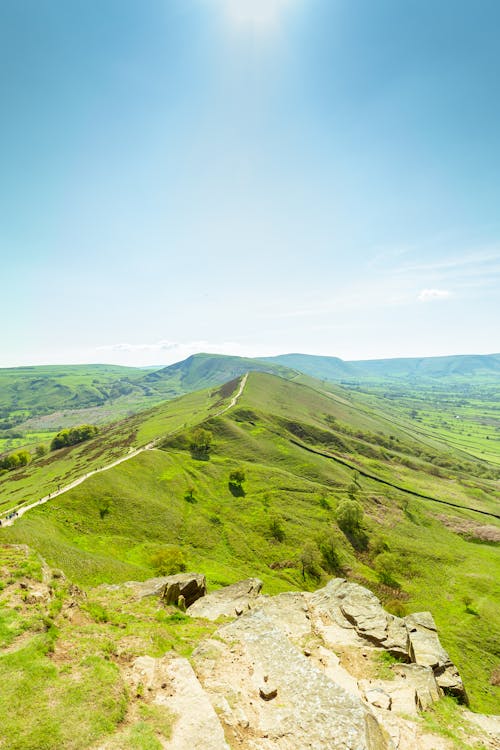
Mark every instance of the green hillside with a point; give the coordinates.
(408, 368)
(303, 453)
(35, 402)
(206, 370)
(455, 400)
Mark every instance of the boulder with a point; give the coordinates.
(379, 698)
(348, 604)
(191, 586)
(288, 611)
(422, 680)
(426, 650)
(230, 601)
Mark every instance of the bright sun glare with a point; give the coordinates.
(257, 14)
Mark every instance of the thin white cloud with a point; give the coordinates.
(480, 261)
(430, 295)
(159, 346)
(165, 352)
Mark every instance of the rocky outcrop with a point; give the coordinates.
(230, 601)
(351, 605)
(293, 670)
(425, 649)
(269, 695)
(191, 586)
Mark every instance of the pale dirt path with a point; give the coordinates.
(131, 454)
(234, 400)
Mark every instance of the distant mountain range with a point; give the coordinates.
(333, 368)
(32, 391)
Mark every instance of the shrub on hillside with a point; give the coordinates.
(236, 479)
(200, 443)
(328, 547)
(15, 460)
(310, 561)
(387, 565)
(168, 561)
(350, 518)
(277, 529)
(349, 515)
(73, 435)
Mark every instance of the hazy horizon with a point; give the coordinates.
(184, 354)
(248, 177)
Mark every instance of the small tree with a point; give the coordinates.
(201, 443)
(189, 495)
(387, 564)
(41, 450)
(310, 560)
(104, 507)
(236, 479)
(237, 476)
(277, 529)
(327, 545)
(349, 516)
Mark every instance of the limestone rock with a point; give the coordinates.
(191, 586)
(426, 650)
(379, 698)
(170, 683)
(288, 611)
(231, 601)
(310, 710)
(350, 604)
(422, 680)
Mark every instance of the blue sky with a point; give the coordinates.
(249, 177)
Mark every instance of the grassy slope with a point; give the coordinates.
(60, 468)
(397, 368)
(60, 658)
(229, 538)
(36, 401)
(454, 400)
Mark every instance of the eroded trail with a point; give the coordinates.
(132, 454)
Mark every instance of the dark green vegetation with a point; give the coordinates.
(73, 436)
(14, 460)
(328, 486)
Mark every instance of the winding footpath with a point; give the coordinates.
(132, 454)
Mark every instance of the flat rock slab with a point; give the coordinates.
(288, 611)
(170, 683)
(230, 601)
(309, 710)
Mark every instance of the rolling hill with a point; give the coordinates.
(411, 368)
(304, 452)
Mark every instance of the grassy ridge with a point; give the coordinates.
(62, 467)
(229, 536)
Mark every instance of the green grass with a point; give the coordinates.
(229, 537)
(59, 468)
(62, 686)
